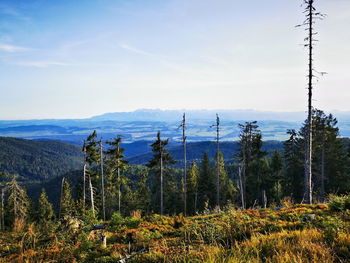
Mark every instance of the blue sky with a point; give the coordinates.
(73, 59)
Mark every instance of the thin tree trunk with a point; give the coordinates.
(217, 162)
(2, 220)
(119, 183)
(91, 196)
(102, 182)
(161, 181)
(84, 184)
(308, 164)
(84, 177)
(60, 210)
(185, 162)
(241, 187)
(264, 198)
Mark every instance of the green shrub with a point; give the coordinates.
(339, 203)
(117, 221)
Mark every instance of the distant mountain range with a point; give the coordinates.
(144, 124)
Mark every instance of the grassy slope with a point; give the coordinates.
(266, 235)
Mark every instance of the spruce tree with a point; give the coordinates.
(250, 156)
(294, 164)
(192, 187)
(66, 201)
(227, 189)
(161, 159)
(92, 158)
(115, 165)
(45, 214)
(278, 179)
(206, 184)
(143, 193)
(18, 204)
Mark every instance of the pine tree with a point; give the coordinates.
(18, 204)
(161, 159)
(143, 193)
(116, 165)
(66, 201)
(227, 189)
(294, 164)
(92, 157)
(278, 179)
(206, 184)
(250, 156)
(192, 189)
(45, 212)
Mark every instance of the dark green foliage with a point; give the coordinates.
(254, 167)
(37, 160)
(227, 188)
(206, 184)
(192, 188)
(160, 163)
(116, 165)
(330, 161)
(45, 212)
(66, 201)
(339, 203)
(294, 164)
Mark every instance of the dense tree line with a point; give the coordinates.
(108, 184)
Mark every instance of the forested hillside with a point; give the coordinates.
(38, 160)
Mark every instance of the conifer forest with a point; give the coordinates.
(239, 197)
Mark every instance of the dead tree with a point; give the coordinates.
(240, 183)
(217, 126)
(311, 16)
(84, 176)
(183, 126)
(161, 177)
(2, 218)
(102, 182)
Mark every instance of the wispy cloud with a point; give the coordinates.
(138, 51)
(12, 48)
(41, 64)
(163, 60)
(12, 11)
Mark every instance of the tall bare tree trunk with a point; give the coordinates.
(119, 191)
(241, 187)
(161, 178)
(308, 164)
(2, 219)
(102, 182)
(84, 176)
(217, 126)
(185, 161)
(92, 196)
(217, 161)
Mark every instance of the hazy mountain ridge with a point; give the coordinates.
(144, 124)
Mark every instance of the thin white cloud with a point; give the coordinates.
(12, 11)
(158, 58)
(12, 48)
(138, 51)
(41, 64)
